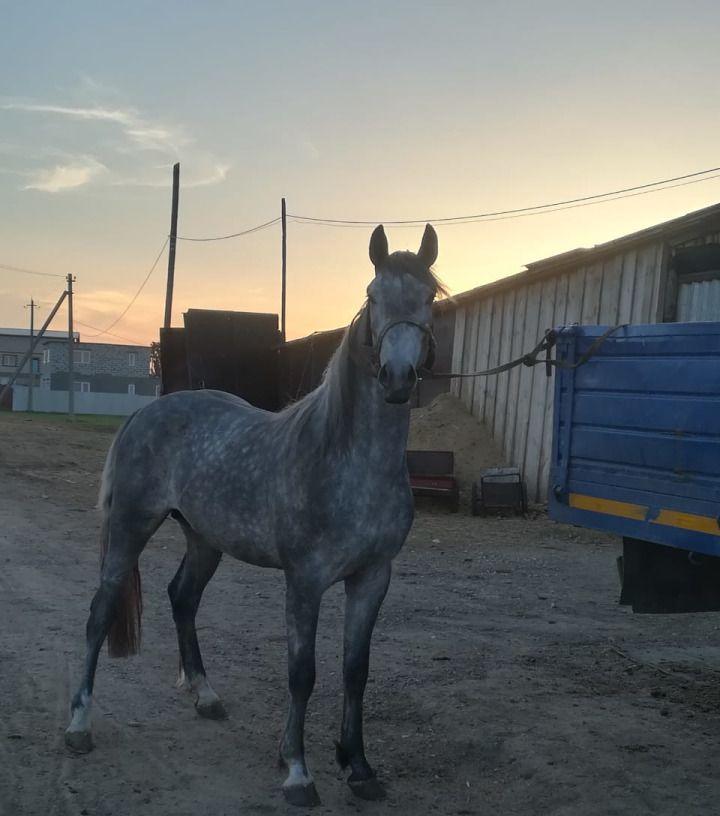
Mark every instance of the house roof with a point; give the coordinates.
(50, 335)
(673, 231)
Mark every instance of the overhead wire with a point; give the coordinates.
(612, 195)
(110, 334)
(248, 231)
(10, 268)
(136, 295)
(496, 215)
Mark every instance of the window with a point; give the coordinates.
(35, 365)
(81, 356)
(132, 359)
(9, 360)
(131, 389)
(46, 356)
(82, 387)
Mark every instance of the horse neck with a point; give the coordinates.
(372, 429)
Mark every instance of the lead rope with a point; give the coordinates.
(531, 358)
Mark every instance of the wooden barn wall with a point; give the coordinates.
(517, 406)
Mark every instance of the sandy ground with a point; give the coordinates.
(505, 677)
(445, 424)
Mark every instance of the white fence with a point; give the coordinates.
(56, 402)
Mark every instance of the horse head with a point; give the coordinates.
(399, 313)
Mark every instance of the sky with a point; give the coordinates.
(364, 111)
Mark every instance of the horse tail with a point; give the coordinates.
(125, 630)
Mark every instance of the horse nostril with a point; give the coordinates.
(383, 376)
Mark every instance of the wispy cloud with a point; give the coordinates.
(65, 176)
(139, 135)
(139, 131)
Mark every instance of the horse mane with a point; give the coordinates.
(327, 411)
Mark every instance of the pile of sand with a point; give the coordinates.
(446, 424)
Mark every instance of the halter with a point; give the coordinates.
(369, 354)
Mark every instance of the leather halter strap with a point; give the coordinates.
(369, 354)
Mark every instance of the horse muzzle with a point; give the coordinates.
(398, 382)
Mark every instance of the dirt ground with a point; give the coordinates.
(505, 678)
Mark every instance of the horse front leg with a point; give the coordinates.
(365, 593)
(302, 607)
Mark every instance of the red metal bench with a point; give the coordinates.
(432, 474)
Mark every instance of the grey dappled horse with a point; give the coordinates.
(319, 490)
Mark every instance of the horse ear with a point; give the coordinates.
(378, 246)
(428, 251)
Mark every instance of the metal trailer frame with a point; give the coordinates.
(636, 445)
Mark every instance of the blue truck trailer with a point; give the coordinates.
(636, 452)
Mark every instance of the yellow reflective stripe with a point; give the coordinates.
(638, 512)
(688, 521)
(608, 506)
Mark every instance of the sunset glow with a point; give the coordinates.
(404, 113)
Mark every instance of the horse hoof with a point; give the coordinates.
(369, 789)
(302, 795)
(79, 742)
(214, 710)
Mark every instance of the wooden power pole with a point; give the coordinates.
(71, 349)
(28, 354)
(283, 291)
(173, 242)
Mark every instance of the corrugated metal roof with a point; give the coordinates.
(675, 230)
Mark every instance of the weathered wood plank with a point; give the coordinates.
(576, 288)
(643, 285)
(481, 358)
(458, 348)
(532, 317)
(493, 360)
(612, 273)
(559, 319)
(627, 287)
(501, 399)
(465, 361)
(471, 351)
(516, 349)
(591, 297)
(658, 279)
(538, 396)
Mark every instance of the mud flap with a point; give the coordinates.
(656, 579)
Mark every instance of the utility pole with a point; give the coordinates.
(173, 242)
(37, 339)
(71, 349)
(283, 295)
(32, 306)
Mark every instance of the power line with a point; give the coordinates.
(234, 234)
(117, 336)
(517, 214)
(498, 214)
(30, 271)
(136, 295)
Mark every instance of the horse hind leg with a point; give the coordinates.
(185, 591)
(116, 606)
